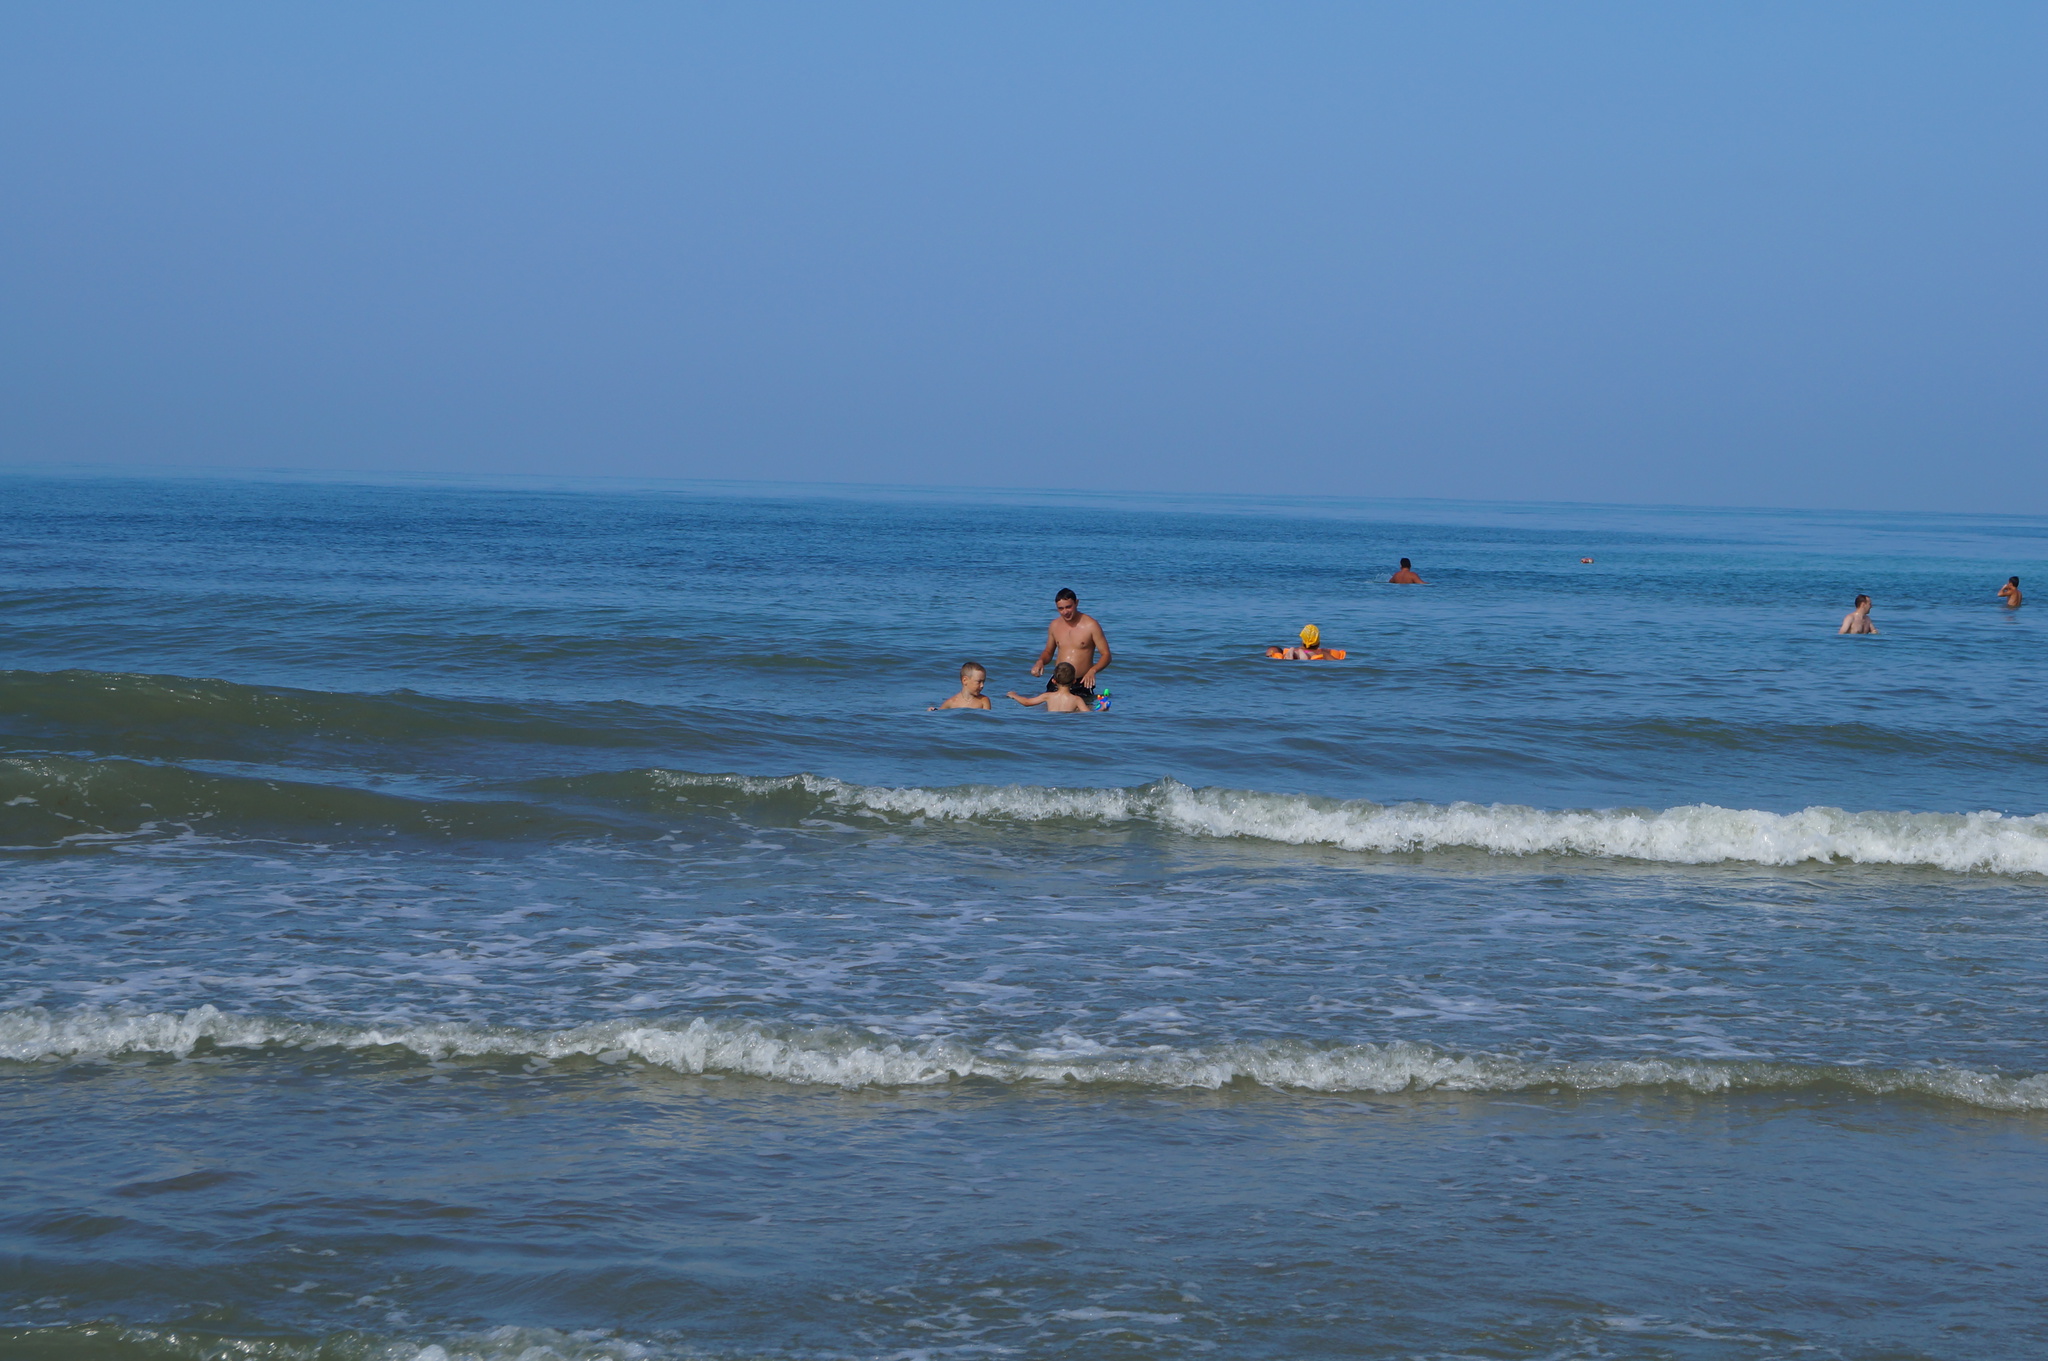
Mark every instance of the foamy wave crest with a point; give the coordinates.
(1695, 834)
(179, 1344)
(845, 1057)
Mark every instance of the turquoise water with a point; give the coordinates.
(529, 920)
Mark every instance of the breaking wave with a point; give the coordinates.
(850, 1058)
(1695, 834)
(97, 1341)
(59, 801)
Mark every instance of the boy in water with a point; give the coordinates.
(1062, 697)
(973, 675)
(2010, 593)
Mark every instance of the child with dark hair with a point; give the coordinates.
(1063, 696)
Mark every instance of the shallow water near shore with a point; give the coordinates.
(510, 920)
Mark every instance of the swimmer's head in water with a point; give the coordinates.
(1404, 565)
(1311, 635)
(1862, 600)
(972, 669)
(1067, 603)
(1063, 675)
(2012, 581)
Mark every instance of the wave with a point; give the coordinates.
(180, 715)
(852, 1058)
(96, 1341)
(1695, 834)
(172, 716)
(55, 801)
(68, 803)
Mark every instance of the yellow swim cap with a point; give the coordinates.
(1311, 635)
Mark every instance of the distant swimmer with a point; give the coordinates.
(2010, 593)
(973, 675)
(1310, 650)
(1406, 576)
(1858, 619)
(1075, 637)
(1585, 559)
(1063, 696)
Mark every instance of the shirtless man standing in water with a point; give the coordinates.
(1075, 637)
(1858, 619)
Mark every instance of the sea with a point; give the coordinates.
(544, 920)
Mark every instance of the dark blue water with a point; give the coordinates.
(545, 921)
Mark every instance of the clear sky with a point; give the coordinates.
(1771, 254)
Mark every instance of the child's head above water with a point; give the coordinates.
(1063, 675)
(973, 675)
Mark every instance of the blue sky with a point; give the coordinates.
(1786, 255)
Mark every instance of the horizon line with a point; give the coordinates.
(773, 487)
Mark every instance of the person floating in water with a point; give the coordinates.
(1858, 619)
(1406, 576)
(1310, 650)
(1075, 637)
(1063, 696)
(2010, 593)
(973, 675)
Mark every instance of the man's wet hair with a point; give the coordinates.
(2012, 581)
(966, 667)
(1063, 675)
(1863, 600)
(1066, 594)
(1404, 564)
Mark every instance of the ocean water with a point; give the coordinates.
(543, 921)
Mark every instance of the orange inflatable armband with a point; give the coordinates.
(1325, 654)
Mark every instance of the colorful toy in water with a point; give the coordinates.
(1102, 699)
(1308, 651)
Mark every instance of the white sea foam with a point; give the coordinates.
(1694, 834)
(849, 1058)
(495, 1344)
